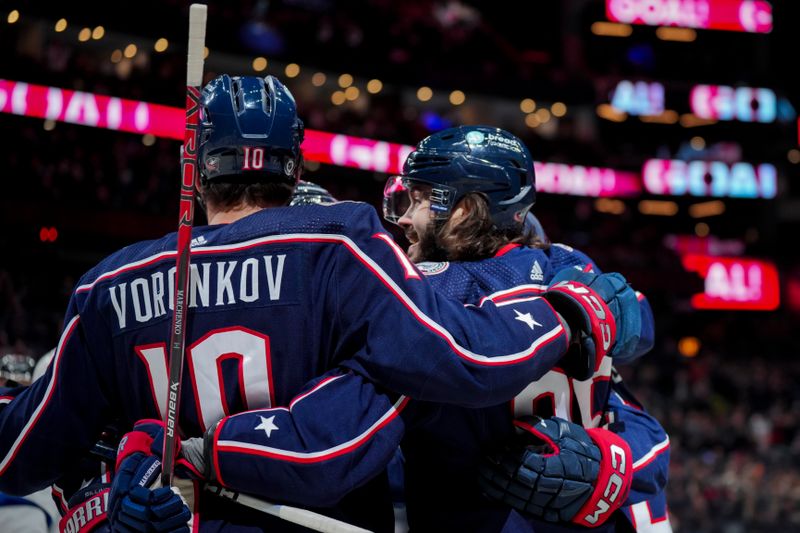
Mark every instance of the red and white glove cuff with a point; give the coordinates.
(136, 441)
(87, 515)
(600, 320)
(613, 481)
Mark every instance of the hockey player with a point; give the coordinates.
(276, 459)
(278, 296)
(462, 198)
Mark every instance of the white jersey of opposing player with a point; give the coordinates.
(40, 517)
(41, 364)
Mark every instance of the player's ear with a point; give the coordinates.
(459, 214)
(463, 209)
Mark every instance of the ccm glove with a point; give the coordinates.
(602, 313)
(558, 471)
(137, 501)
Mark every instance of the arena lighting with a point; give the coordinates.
(709, 178)
(527, 105)
(578, 180)
(697, 143)
(357, 152)
(667, 116)
(338, 97)
(701, 229)
(709, 104)
(260, 64)
(608, 112)
(610, 206)
(638, 97)
(658, 208)
(133, 116)
(345, 80)
(734, 283)
(690, 120)
(424, 94)
(317, 80)
(543, 115)
(689, 346)
(753, 16)
(292, 70)
(559, 109)
(689, 244)
(161, 45)
(88, 109)
(457, 97)
(532, 121)
(745, 104)
(682, 35)
(48, 234)
(610, 29)
(706, 209)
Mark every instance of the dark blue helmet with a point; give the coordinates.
(466, 159)
(249, 130)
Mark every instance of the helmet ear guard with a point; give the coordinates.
(249, 131)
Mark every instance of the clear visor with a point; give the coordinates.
(402, 198)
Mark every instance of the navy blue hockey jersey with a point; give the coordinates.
(443, 451)
(349, 450)
(276, 299)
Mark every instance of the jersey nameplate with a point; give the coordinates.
(213, 284)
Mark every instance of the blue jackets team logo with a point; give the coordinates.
(430, 268)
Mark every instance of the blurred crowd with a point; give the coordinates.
(734, 426)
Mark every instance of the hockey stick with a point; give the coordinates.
(194, 78)
(295, 515)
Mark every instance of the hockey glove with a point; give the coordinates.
(137, 501)
(602, 313)
(87, 510)
(558, 471)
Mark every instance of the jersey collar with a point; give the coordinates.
(507, 248)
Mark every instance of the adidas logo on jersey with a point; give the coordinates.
(536, 272)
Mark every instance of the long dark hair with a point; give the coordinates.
(476, 237)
